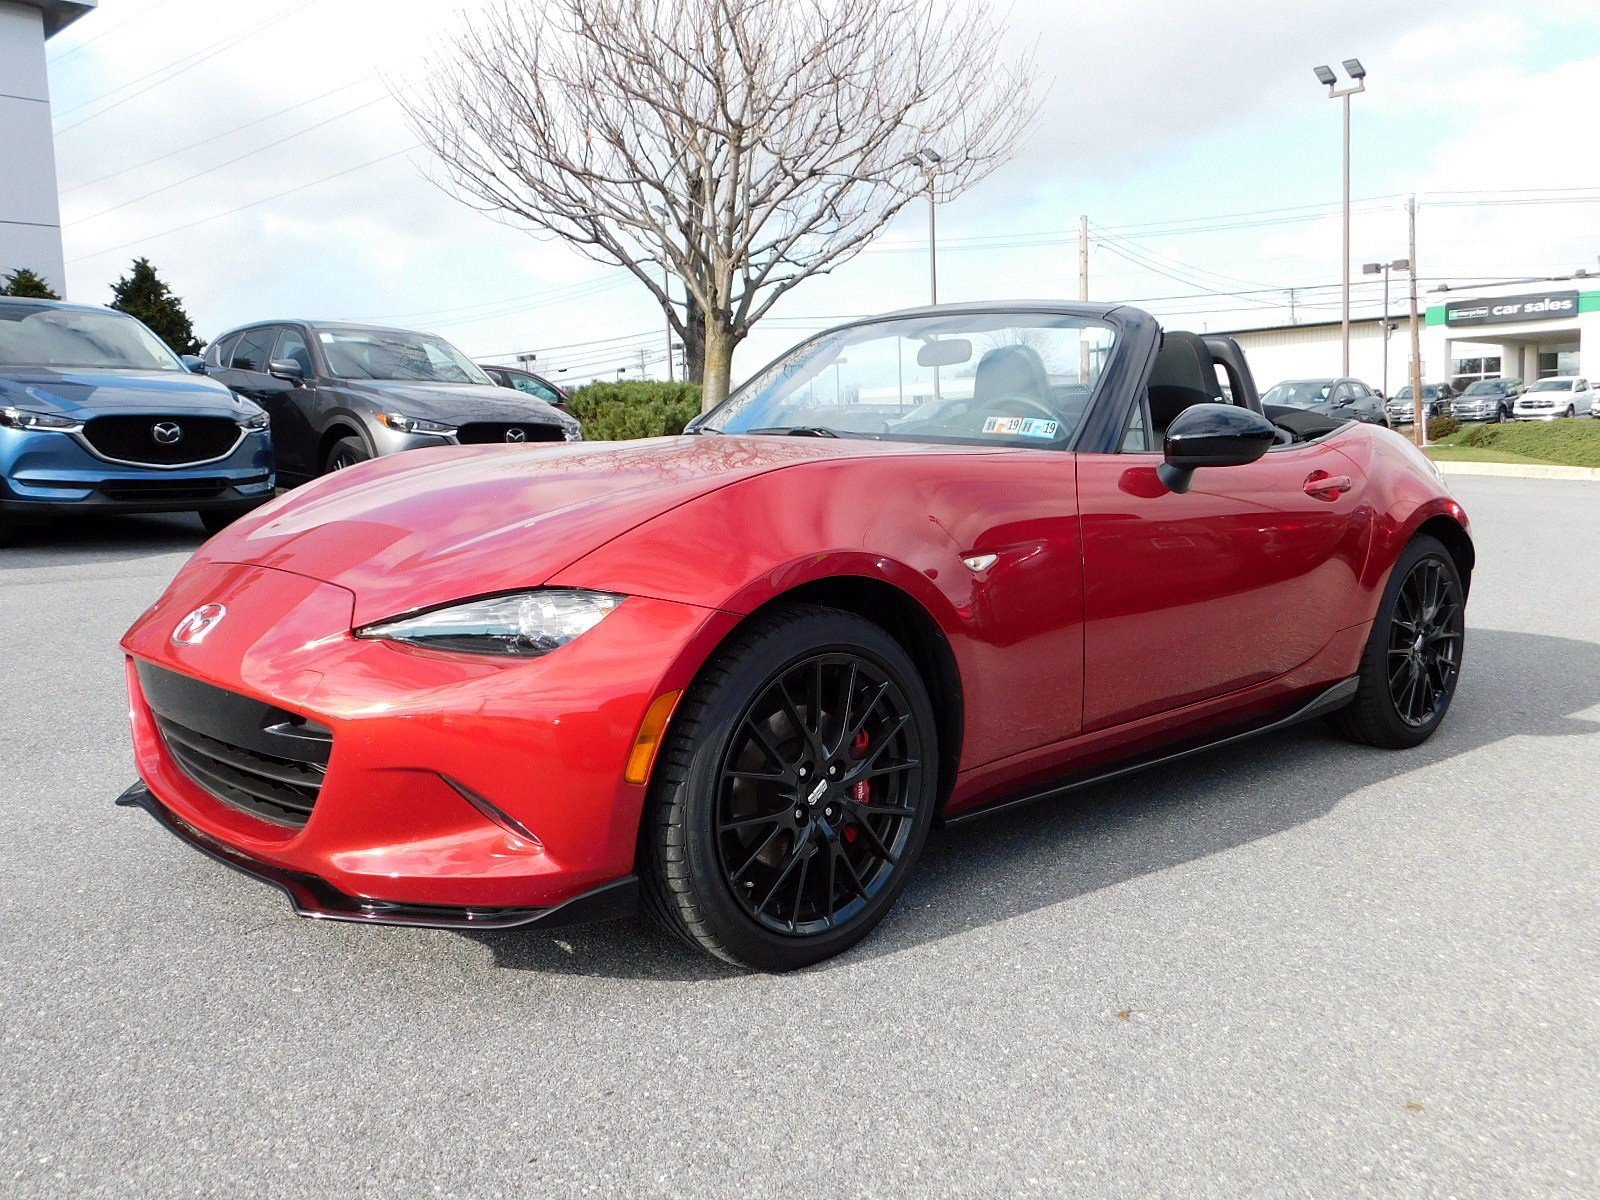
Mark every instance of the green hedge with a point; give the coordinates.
(1575, 442)
(619, 412)
(1441, 427)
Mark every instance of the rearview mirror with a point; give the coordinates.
(1212, 435)
(946, 352)
(193, 363)
(286, 368)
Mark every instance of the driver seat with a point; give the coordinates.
(1011, 371)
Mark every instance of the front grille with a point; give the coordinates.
(135, 439)
(246, 753)
(483, 432)
(162, 490)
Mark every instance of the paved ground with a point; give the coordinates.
(1291, 969)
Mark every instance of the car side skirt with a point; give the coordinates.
(1324, 702)
(312, 897)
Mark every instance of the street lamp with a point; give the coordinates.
(1325, 75)
(1399, 264)
(929, 159)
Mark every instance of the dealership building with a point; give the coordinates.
(30, 215)
(1527, 330)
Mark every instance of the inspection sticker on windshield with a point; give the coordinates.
(1021, 427)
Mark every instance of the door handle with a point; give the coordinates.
(1322, 486)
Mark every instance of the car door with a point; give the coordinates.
(1236, 582)
(294, 404)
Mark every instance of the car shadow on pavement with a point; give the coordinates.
(101, 539)
(1048, 854)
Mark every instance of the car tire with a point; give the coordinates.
(346, 452)
(217, 519)
(761, 779)
(1401, 706)
(6, 528)
(1571, 412)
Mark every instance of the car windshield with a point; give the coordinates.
(1486, 387)
(1552, 385)
(392, 354)
(977, 378)
(65, 338)
(1300, 393)
(1429, 392)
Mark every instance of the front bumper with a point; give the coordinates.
(453, 781)
(316, 898)
(46, 473)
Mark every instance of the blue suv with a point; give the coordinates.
(97, 415)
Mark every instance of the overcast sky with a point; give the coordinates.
(254, 152)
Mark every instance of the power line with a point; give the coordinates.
(57, 59)
(215, 136)
(150, 237)
(173, 69)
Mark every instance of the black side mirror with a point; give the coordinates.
(193, 363)
(286, 368)
(1212, 435)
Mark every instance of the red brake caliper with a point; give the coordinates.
(862, 790)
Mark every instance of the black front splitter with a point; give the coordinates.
(313, 897)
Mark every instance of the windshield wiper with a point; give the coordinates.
(798, 430)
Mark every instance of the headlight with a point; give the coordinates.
(401, 423)
(524, 624)
(572, 432)
(254, 421)
(22, 418)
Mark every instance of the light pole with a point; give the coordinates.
(929, 159)
(1325, 75)
(1399, 264)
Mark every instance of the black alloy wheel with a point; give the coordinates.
(794, 791)
(817, 793)
(1412, 662)
(1425, 638)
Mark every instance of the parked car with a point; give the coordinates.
(1487, 400)
(526, 381)
(340, 393)
(1558, 396)
(1436, 397)
(1347, 398)
(98, 415)
(740, 673)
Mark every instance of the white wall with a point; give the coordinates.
(30, 218)
(1314, 351)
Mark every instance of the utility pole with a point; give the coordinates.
(1083, 257)
(1419, 424)
(1292, 320)
(1325, 76)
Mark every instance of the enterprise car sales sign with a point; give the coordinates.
(1542, 307)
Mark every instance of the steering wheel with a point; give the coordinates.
(1010, 399)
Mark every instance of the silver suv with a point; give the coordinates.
(339, 393)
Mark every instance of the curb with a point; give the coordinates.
(1518, 470)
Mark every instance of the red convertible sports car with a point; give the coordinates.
(919, 568)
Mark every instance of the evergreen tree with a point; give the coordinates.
(142, 294)
(23, 282)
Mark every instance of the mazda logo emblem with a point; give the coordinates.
(168, 433)
(516, 435)
(193, 628)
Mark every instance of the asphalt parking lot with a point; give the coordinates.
(1291, 968)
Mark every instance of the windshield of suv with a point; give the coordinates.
(1552, 385)
(63, 338)
(1300, 393)
(1487, 387)
(392, 354)
(1430, 391)
(977, 378)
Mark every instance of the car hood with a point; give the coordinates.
(456, 404)
(413, 530)
(84, 394)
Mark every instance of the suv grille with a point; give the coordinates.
(162, 490)
(481, 432)
(256, 757)
(135, 439)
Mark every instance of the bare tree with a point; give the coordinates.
(741, 145)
